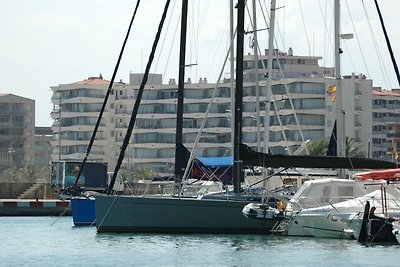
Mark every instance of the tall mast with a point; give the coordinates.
(179, 165)
(237, 162)
(269, 73)
(340, 113)
(232, 71)
(256, 79)
(339, 100)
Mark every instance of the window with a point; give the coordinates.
(326, 194)
(345, 192)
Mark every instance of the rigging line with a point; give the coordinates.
(106, 96)
(287, 93)
(203, 122)
(350, 57)
(283, 22)
(220, 43)
(163, 42)
(138, 100)
(172, 43)
(195, 41)
(141, 159)
(378, 53)
(328, 33)
(194, 45)
(388, 43)
(272, 95)
(203, 17)
(269, 176)
(305, 30)
(358, 40)
(61, 214)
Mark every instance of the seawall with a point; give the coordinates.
(33, 207)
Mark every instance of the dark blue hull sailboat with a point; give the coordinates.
(83, 211)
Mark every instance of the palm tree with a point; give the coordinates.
(352, 150)
(320, 147)
(31, 173)
(10, 175)
(317, 148)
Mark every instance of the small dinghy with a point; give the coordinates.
(262, 211)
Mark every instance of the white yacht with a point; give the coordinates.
(333, 208)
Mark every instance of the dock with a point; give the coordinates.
(34, 207)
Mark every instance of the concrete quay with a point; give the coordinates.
(34, 207)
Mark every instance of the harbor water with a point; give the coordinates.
(54, 241)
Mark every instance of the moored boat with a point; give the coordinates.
(263, 211)
(175, 215)
(377, 227)
(83, 211)
(178, 214)
(333, 208)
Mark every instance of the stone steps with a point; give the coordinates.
(30, 192)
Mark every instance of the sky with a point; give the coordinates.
(49, 42)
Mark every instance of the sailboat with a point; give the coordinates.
(175, 214)
(186, 215)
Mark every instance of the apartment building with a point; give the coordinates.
(76, 109)
(17, 131)
(301, 104)
(43, 148)
(386, 124)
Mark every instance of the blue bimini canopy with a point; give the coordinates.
(215, 162)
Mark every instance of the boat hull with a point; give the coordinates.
(322, 226)
(174, 215)
(83, 211)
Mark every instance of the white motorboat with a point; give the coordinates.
(333, 208)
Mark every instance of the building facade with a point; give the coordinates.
(17, 131)
(43, 147)
(386, 124)
(76, 108)
(302, 106)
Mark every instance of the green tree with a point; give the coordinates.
(126, 175)
(320, 147)
(317, 148)
(144, 174)
(353, 150)
(10, 175)
(31, 173)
